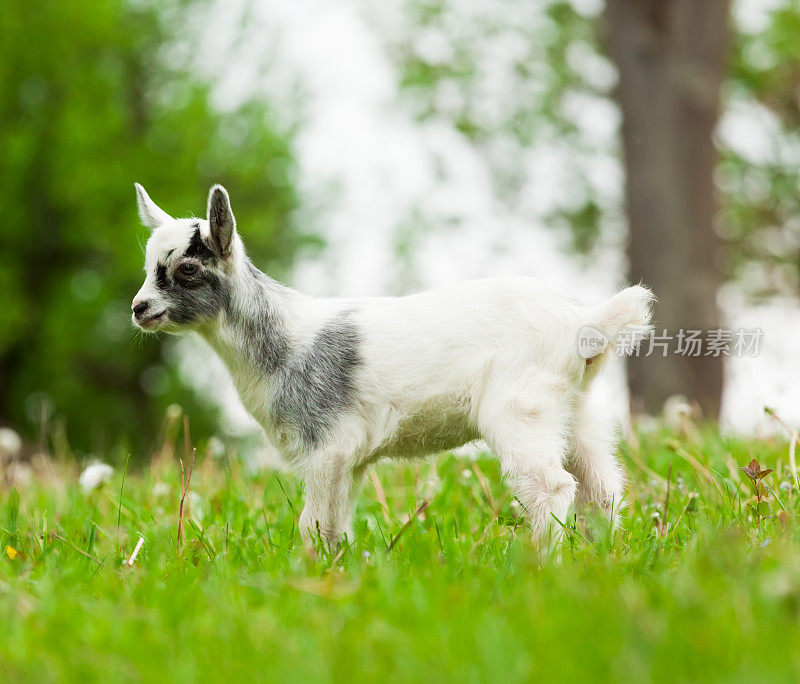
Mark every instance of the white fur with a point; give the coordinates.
(492, 358)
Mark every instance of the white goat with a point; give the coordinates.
(339, 383)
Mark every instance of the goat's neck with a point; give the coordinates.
(252, 334)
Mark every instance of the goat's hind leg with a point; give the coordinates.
(593, 462)
(527, 430)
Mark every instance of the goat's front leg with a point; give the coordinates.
(328, 509)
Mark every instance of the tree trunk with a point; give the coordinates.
(670, 55)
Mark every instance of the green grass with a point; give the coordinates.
(460, 597)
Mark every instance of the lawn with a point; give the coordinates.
(702, 583)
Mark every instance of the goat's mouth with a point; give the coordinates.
(153, 321)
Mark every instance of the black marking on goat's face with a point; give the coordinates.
(192, 287)
(162, 281)
(195, 299)
(198, 249)
(319, 385)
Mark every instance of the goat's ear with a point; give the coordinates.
(221, 223)
(150, 213)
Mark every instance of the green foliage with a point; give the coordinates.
(93, 98)
(680, 594)
(761, 199)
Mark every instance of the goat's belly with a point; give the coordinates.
(428, 431)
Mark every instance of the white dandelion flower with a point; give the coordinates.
(95, 475)
(10, 443)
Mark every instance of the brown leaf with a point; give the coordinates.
(752, 469)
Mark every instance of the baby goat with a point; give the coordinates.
(340, 383)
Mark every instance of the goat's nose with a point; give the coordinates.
(139, 308)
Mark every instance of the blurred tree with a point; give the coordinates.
(94, 96)
(671, 62)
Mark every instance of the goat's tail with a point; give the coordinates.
(616, 326)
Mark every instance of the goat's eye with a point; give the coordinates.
(188, 269)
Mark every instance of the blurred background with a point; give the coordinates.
(381, 148)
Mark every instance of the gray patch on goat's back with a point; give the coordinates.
(320, 384)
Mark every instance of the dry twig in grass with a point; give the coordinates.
(79, 550)
(129, 563)
(699, 468)
(380, 494)
(663, 527)
(635, 455)
(185, 479)
(421, 508)
(485, 487)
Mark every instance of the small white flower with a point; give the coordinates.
(216, 447)
(160, 489)
(174, 411)
(365, 555)
(10, 443)
(95, 475)
(466, 473)
(677, 410)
